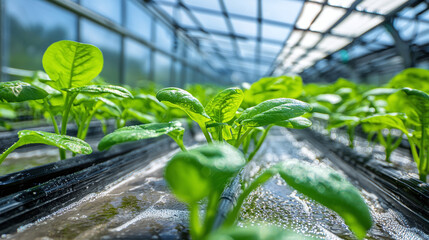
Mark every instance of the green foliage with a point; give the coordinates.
(330, 189)
(223, 106)
(413, 78)
(255, 233)
(134, 133)
(61, 141)
(71, 64)
(272, 111)
(295, 123)
(97, 90)
(179, 98)
(18, 91)
(197, 173)
(273, 87)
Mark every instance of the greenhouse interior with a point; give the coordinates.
(214, 119)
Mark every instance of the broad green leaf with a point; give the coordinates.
(330, 98)
(379, 92)
(72, 144)
(388, 120)
(255, 232)
(272, 111)
(18, 91)
(336, 121)
(179, 98)
(194, 174)
(273, 87)
(7, 112)
(331, 190)
(295, 123)
(317, 107)
(139, 132)
(422, 96)
(223, 106)
(130, 113)
(99, 89)
(413, 78)
(72, 64)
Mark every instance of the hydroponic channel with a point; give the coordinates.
(140, 205)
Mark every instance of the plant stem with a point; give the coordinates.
(211, 212)
(238, 135)
(69, 102)
(238, 143)
(206, 134)
(261, 140)
(8, 151)
(194, 220)
(54, 121)
(232, 216)
(351, 133)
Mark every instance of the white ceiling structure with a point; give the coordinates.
(274, 37)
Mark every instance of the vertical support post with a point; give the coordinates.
(122, 49)
(3, 35)
(152, 51)
(402, 47)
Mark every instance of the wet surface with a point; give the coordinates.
(400, 158)
(140, 205)
(280, 205)
(36, 155)
(137, 206)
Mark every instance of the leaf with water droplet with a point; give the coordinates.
(100, 89)
(179, 98)
(72, 144)
(295, 123)
(195, 174)
(331, 190)
(72, 64)
(139, 132)
(223, 106)
(272, 111)
(18, 91)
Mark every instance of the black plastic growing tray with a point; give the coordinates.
(408, 195)
(28, 195)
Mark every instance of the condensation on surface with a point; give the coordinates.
(278, 204)
(140, 205)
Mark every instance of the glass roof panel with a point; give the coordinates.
(327, 18)
(301, 51)
(270, 49)
(310, 39)
(281, 10)
(308, 14)
(243, 26)
(247, 8)
(211, 4)
(294, 37)
(356, 24)
(378, 35)
(211, 22)
(341, 3)
(380, 6)
(332, 43)
(167, 9)
(184, 19)
(275, 32)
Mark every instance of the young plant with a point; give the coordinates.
(203, 172)
(17, 91)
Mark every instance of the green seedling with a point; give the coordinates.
(72, 144)
(389, 121)
(202, 173)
